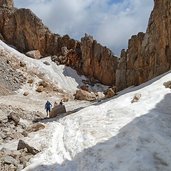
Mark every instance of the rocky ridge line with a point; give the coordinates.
(24, 30)
(148, 54)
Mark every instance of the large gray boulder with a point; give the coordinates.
(59, 109)
(22, 145)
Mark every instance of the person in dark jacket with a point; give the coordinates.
(61, 102)
(48, 106)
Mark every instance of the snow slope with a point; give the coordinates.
(112, 135)
(64, 77)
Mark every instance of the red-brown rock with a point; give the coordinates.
(148, 55)
(7, 3)
(98, 61)
(24, 30)
(85, 95)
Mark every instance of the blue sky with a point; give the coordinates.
(110, 22)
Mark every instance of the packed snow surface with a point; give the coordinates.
(111, 135)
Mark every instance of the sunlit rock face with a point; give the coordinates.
(148, 55)
(98, 61)
(24, 30)
(7, 3)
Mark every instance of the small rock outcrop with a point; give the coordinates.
(40, 89)
(34, 54)
(85, 95)
(30, 149)
(110, 92)
(167, 84)
(136, 98)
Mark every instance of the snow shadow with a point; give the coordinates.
(59, 116)
(69, 72)
(142, 145)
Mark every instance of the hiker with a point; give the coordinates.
(48, 106)
(55, 104)
(61, 102)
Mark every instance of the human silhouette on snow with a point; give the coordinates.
(48, 106)
(61, 102)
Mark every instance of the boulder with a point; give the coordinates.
(13, 116)
(110, 92)
(85, 95)
(100, 95)
(10, 160)
(26, 93)
(59, 109)
(14, 160)
(22, 64)
(30, 81)
(65, 98)
(84, 87)
(136, 97)
(46, 63)
(43, 83)
(167, 84)
(30, 149)
(40, 89)
(34, 54)
(35, 127)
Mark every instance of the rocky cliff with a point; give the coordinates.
(24, 30)
(148, 55)
(98, 61)
(7, 4)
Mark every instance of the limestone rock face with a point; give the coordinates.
(7, 3)
(24, 30)
(148, 55)
(98, 61)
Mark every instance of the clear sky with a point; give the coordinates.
(110, 22)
